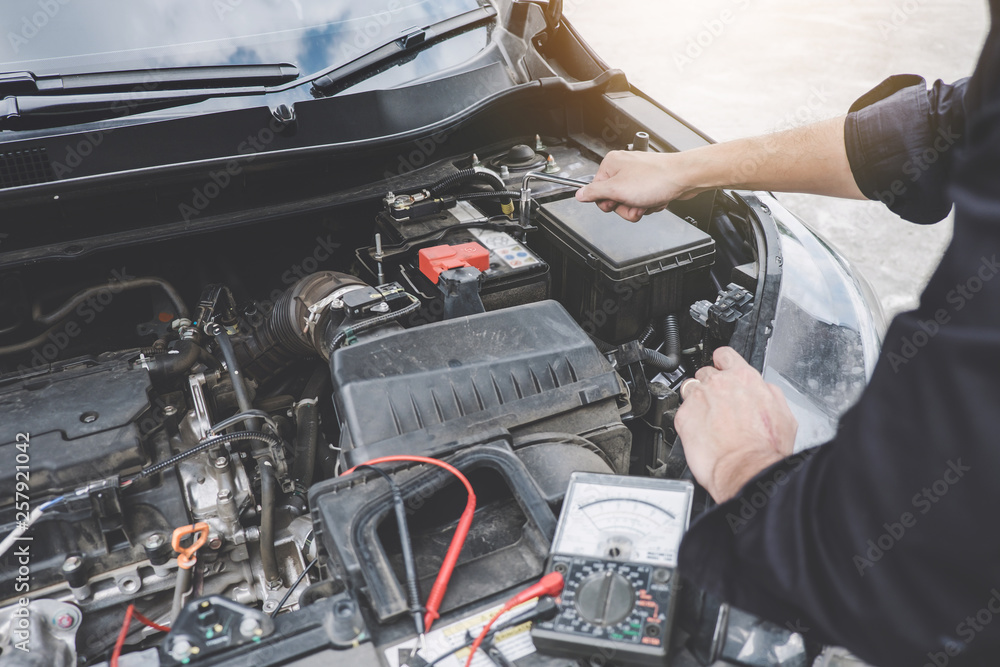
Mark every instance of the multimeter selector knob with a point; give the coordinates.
(605, 598)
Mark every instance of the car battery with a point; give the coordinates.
(616, 276)
(515, 274)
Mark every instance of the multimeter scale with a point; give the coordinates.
(616, 547)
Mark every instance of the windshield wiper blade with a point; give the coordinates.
(32, 112)
(340, 77)
(165, 78)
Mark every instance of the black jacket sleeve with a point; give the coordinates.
(900, 138)
(886, 540)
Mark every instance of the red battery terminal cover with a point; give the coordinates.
(440, 258)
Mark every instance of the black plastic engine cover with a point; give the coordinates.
(434, 389)
(87, 430)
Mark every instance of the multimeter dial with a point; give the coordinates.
(616, 546)
(636, 524)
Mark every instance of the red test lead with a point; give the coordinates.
(551, 584)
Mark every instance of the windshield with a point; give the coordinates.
(75, 36)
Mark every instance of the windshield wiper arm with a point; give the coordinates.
(36, 110)
(165, 78)
(342, 76)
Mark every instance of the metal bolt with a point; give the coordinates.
(250, 627)
(180, 648)
(65, 621)
(269, 606)
(154, 541)
(380, 308)
(128, 585)
(550, 165)
(504, 172)
(475, 160)
(343, 609)
(225, 495)
(170, 411)
(215, 543)
(539, 146)
(72, 564)
(221, 462)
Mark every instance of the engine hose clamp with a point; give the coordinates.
(188, 556)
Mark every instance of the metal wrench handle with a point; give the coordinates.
(541, 176)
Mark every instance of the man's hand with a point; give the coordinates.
(733, 424)
(633, 184)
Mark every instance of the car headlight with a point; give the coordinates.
(827, 330)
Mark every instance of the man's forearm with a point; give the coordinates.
(810, 159)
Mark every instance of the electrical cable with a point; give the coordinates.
(550, 584)
(202, 446)
(295, 584)
(546, 609)
(131, 613)
(458, 539)
(149, 623)
(406, 546)
(24, 526)
(243, 416)
(122, 634)
(372, 322)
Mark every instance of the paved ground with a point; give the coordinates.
(739, 67)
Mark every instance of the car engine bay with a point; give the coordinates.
(196, 420)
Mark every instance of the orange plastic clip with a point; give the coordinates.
(188, 556)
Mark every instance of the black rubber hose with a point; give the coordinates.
(268, 501)
(671, 338)
(499, 194)
(307, 431)
(229, 354)
(164, 367)
(67, 309)
(208, 444)
(668, 362)
(406, 546)
(466, 175)
(306, 436)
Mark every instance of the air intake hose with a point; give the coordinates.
(283, 337)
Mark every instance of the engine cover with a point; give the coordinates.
(88, 430)
(428, 390)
